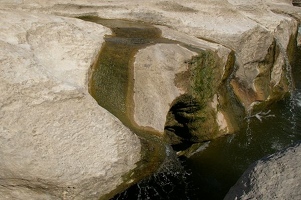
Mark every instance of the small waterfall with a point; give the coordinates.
(287, 64)
(248, 129)
(170, 182)
(289, 77)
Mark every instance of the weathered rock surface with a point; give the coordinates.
(155, 70)
(260, 36)
(262, 33)
(55, 141)
(275, 177)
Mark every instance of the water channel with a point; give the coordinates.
(216, 165)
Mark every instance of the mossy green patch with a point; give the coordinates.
(191, 117)
(202, 67)
(205, 79)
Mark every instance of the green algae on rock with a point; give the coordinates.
(193, 116)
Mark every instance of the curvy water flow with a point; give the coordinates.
(110, 85)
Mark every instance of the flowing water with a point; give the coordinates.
(215, 166)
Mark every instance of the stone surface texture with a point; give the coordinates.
(55, 141)
(255, 30)
(277, 176)
(67, 145)
(155, 69)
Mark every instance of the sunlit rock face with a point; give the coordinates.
(55, 141)
(230, 57)
(262, 34)
(274, 177)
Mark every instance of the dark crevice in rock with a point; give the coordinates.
(180, 122)
(296, 3)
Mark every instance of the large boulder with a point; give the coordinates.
(277, 176)
(55, 141)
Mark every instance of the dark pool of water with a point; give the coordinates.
(218, 167)
(211, 172)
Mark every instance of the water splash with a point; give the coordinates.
(170, 182)
(297, 98)
(261, 115)
(248, 128)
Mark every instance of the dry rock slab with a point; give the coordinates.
(55, 141)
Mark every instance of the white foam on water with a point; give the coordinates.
(297, 98)
(276, 146)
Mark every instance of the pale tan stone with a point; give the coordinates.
(56, 142)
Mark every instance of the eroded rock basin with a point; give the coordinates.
(261, 33)
(215, 166)
(110, 85)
